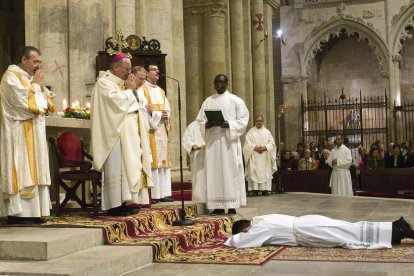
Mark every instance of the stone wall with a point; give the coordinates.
(407, 70)
(371, 65)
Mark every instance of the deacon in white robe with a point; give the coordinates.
(312, 231)
(223, 163)
(144, 127)
(340, 159)
(115, 137)
(158, 107)
(24, 173)
(194, 144)
(260, 157)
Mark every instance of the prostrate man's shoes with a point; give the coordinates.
(217, 212)
(167, 199)
(122, 211)
(401, 229)
(232, 211)
(25, 220)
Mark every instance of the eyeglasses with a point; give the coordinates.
(127, 68)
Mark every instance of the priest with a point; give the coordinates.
(24, 166)
(317, 231)
(159, 110)
(340, 159)
(259, 152)
(115, 137)
(225, 185)
(194, 144)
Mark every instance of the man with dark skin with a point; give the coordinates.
(224, 173)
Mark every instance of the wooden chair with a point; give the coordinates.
(68, 152)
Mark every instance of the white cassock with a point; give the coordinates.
(259, 167)
(341, 183)
(192, 136)
(158, 136)
(313, 231)
(223, 161)
(24, 173)
(116, 141)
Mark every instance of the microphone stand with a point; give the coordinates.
(183, 221)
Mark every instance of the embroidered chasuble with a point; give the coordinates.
(24, 172)
(223, 163)
(259, 167)
(116, 143)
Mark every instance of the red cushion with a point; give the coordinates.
(70, 146)
(363, 193)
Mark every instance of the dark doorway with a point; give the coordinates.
(12, 33)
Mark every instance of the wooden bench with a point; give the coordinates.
(306, 181)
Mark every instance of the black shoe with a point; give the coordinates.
(155, 201)
(255, 193)
(25, 220)
(404, 228)
(121, 211)
(217, 212)
(265, 193)
(232, 211)
(167, 199)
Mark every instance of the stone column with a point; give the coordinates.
(86, 29)
(237, 48)
(125, 16)
(292, 88)
(268, 7)
(32, 22)
(193, 25)
(49, 32)
(259, 66)
(214, 43)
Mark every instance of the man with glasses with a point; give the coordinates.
(158, 107)
(114, 130)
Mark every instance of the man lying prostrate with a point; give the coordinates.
(317, 231)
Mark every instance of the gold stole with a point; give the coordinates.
(157, 107)
(29, 138)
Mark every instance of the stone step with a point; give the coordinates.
(43, 243)
(103, 260)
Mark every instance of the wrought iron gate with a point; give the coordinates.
(361, 120)
(404, 121)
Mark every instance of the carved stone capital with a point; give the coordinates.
(205, 8)
(293, 79)
(396, 57)
(273, 3)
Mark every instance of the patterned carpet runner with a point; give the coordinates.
(403, 253)
(200, 243)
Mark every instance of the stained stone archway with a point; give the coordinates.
(349, 25)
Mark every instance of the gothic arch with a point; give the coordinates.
(402, 23)
(351, 25)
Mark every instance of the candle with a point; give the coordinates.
(64, 104)
(88, 105)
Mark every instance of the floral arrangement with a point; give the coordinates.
(77, 112)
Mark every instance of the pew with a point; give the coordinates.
(392, 181)
(316, 181)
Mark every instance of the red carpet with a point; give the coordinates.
(200, 243)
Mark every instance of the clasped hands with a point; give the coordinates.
(334, 162)
(211, 124)
(39, 78)
(260, 149)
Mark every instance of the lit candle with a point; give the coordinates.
(64, 104)
(88, 105)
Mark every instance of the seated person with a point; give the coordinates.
(306, 163)
(396, 160)
(317, 231)
(285, 160)
(409, 163)
(375, 161)
(314, 156)
(294, 161)
(323, 165)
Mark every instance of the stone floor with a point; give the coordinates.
(346, 208)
